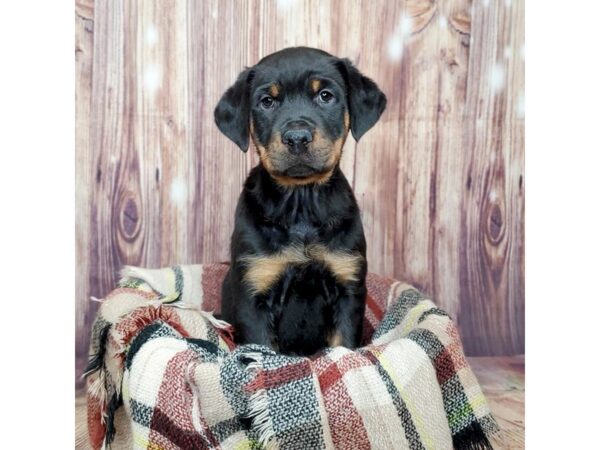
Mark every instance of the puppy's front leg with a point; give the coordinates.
(349, 311)
(252, 323)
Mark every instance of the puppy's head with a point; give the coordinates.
(298, 105)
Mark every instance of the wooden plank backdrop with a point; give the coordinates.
(439, 179)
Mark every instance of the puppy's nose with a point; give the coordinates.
(297, 139)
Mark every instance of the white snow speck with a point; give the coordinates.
(405, 25)
(507, 52)
(178, 191)
(485, 2)
(443, 22)
(322, 10)
(497, 78)
(521, 106)
(285, 5)
(493, 194)
(507, 3)
(152, 78)
(395, 47)
(151, 35)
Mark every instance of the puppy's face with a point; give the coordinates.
(298, 105)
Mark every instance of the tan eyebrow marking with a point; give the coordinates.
(315, 85)
(274, 90)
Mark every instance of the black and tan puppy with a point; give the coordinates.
(297, 276)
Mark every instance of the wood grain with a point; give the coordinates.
(502, 380)
(439, 179)
(84, 311)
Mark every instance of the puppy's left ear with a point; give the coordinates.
(365, 101)
(232, 114)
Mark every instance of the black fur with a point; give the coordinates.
(308, 303)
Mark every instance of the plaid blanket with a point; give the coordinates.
(183, 384)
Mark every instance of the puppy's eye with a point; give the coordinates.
(267, 102)
(325, 96)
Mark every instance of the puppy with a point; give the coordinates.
(298, 253)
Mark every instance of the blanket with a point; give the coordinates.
(164, 373)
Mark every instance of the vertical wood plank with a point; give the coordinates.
(84, 46)
(491, 254)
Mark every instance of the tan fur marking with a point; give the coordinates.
(336, 152)
(262, 151)
(319, 144)
(346, 121)
(274, 90)
(265, 270)
(343, 265)
(315, 85)
(313, 179)
(335, 340)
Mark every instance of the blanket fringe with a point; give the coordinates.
(217, 323)
(97, 390)
(258, 407)
(113, 405)
(474, 438)
(96, 360)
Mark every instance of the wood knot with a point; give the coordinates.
(129, 218)
(495, 224)
(461, 22)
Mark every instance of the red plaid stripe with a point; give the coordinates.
(269, 379)
(212, 278)
(172, 426)
(347, 427)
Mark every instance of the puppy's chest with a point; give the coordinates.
(299, 246)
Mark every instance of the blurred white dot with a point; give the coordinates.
(521, 106)
(151, 35)
(507, 52)
(497, 77)
(479, 123)
(178, 191)
(507, 3)
(443, 22)
(113, 159)
(214, 13)
(405, 25)
(286, 5)
(485, 2)
(395, 47)
(152, 77)
(493, 193)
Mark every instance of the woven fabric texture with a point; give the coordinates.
(164, 374)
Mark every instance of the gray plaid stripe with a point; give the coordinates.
(222, 430)
(141, 413)
(428, 341)
(407, 300)
(411, 433)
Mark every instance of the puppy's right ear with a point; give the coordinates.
(232, 114)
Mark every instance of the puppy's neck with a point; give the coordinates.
(287, 205)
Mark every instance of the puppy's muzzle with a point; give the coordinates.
(297, 137)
